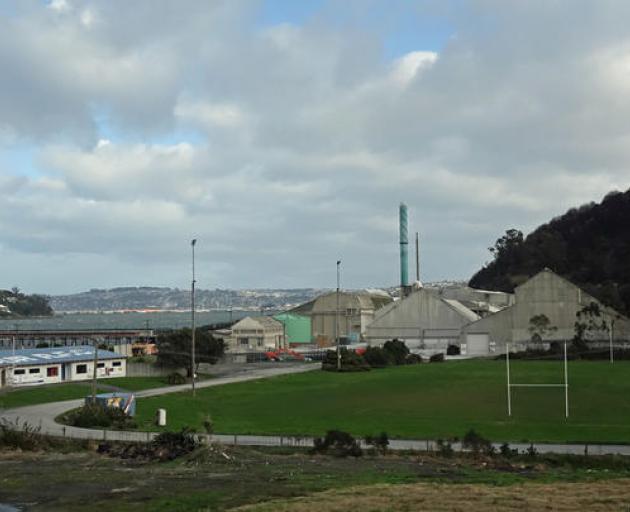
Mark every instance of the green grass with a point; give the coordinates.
(72, 390)
(424, 401)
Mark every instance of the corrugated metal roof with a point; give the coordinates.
(36, 356)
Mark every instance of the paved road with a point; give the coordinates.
(43, 416)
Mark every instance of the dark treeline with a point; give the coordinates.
(18, 304)
(589, 245)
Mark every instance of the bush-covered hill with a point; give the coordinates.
(589, 245)
(14, 303)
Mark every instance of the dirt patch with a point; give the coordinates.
(561, 497)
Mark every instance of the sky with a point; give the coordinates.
(283, 135)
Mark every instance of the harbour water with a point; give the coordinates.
(131, 320)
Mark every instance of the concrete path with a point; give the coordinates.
(43, 416)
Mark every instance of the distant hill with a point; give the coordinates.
(589, 245)
(15, 304)
(143, 297)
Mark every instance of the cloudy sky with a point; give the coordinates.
(284, 134)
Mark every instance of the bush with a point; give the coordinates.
(476, 443)
(397, 351)
(350, 361)
(340, 443)
(507, 452)
(453, 350)
(90, 416)
(531, 451)
(26, 437)
(445, 448)
(175, 378)
(170, 445)
(377, 357)
(379, 443)
(413, 359)
(437, 358)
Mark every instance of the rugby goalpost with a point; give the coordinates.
(511, 385)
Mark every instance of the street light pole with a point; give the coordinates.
(192, 309)
(337, 318)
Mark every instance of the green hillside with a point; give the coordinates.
(589, 245)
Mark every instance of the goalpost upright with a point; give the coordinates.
(511, 385)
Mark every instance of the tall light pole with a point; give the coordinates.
(337, 317)
(192, 310)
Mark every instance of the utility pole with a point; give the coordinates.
(95, 365)
(337, 318)
(192, 308)
(417, 258)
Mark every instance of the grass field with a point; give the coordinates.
(72, 390)
(423, 401)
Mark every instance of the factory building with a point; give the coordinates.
(425, 320)
(297, 328)
(355, 312)
(256, 334)
(548, 294)
(122, 341)
(25, 367)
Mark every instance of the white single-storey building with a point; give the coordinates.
(51, 365)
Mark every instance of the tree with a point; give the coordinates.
(589, 321)
(540, 327)
(508, 244)
(174, 348)
(397, 350)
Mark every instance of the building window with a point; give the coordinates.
(100, 365)
(244, 341)
(82, 368)
(116, 363)
(19, 372)
(260, 342)
(33, 370)
(53, 371)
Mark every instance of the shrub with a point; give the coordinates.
(24, 437)
(413, 359)
(437, 358)
(397, 350)
(208, 424)
(445, 448)
(90, 416)
(507, 452)
(379, 443)
(170, 445)
(531, 451)
(175, 378)
(350, 361)
(453, 350)
(340, 443)
(377, 357)
(476, 443)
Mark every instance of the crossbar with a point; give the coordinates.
(538, 385)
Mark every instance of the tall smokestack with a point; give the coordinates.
(404, 242)
(417, 258)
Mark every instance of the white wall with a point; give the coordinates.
(28, 375)
(108, 370)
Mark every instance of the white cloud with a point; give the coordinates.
(286, 147)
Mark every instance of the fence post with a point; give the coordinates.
(64, 431)
(235, 443)
(104, 435)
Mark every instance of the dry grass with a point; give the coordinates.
(588, 496)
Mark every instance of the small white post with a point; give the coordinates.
(566, 383)
(610, 337)
(509, 389)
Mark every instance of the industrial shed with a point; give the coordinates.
(548, 294)
(423, 320)
(51, 365)
(258, 334)
(356, 311)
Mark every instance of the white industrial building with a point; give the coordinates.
(356, 311)
(548, 294)
(425, 320)
(52, 365)
(256, 334)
